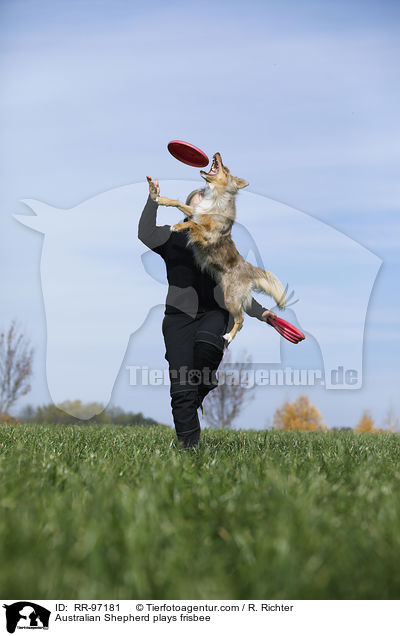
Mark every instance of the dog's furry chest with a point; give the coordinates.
(212, 245)
(205, 259)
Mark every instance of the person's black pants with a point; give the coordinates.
(194, 349)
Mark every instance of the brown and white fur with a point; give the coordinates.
(210, 223)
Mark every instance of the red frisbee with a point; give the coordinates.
(187, 153)
(286, 329)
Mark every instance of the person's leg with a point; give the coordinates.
(209, 349)
(179, 331)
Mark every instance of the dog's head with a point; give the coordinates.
(220, 178)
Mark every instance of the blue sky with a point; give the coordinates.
(302, 97)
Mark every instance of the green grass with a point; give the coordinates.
(114, 513)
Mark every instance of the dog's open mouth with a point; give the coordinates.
(214, 166)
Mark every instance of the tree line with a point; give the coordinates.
(221, 407)
(63, 414)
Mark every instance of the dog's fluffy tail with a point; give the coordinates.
(271, 285)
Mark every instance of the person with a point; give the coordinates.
(195, 319)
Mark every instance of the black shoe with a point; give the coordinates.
(189, 440)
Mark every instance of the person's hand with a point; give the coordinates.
(154, 188)
(267, 315)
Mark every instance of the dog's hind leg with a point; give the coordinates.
(237, 314)
(237, 325)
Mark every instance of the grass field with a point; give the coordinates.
(114, 513)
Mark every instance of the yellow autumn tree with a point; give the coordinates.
(299, 415)
(366, 423)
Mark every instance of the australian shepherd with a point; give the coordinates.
(209, 232)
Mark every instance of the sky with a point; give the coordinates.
(301, 99)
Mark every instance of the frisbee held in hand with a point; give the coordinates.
(286, 329)
(187, 153)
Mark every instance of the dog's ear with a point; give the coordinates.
(240, 183)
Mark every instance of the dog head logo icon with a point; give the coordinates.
(25, 615)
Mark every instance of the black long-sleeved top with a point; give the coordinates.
(190, 290)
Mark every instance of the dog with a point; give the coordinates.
(209, 232)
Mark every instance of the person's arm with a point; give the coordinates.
(257, 311)
(152, 235)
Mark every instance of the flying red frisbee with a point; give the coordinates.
(286, 329)
(187, 153)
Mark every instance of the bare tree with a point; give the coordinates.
(15, 367)
(391, 420)
(223, 404)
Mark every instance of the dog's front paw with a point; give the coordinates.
(174, 228)
(227, 337)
